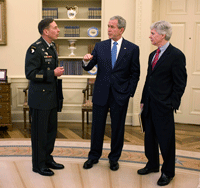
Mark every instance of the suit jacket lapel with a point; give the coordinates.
(162, 58)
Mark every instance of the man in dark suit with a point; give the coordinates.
(41, 68)
(116, 82)
(165, 84)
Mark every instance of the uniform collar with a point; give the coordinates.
(49, 45)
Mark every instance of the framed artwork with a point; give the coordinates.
(3, 33)
(3, 75)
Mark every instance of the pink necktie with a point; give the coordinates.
(155, 58)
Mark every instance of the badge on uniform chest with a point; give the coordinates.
(48, 58)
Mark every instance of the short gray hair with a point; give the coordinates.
(163, 28)
(121, 21)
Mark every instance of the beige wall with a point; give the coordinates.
(22, 20)
(24, 15)
(124, 8)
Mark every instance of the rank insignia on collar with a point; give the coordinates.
(46, 53)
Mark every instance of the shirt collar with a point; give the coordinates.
(119, 42)
(163, 48)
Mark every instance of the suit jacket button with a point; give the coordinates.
(43, 90)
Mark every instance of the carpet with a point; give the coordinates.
(16, 167)
(79, 149)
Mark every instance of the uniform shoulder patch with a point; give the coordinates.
(33, 48)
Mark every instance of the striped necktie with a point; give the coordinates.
(155, 58)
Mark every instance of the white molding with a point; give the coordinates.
(71, 110)
(142, 30)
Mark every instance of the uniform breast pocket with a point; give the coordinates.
(48, 64)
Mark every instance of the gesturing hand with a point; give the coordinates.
(87, 57)
(58, 71)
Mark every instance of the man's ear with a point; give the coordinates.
(122, 30)
(163, 36)
(45, 31)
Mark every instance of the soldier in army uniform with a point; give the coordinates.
(41, 68)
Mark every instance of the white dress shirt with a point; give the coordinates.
(119, 43)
